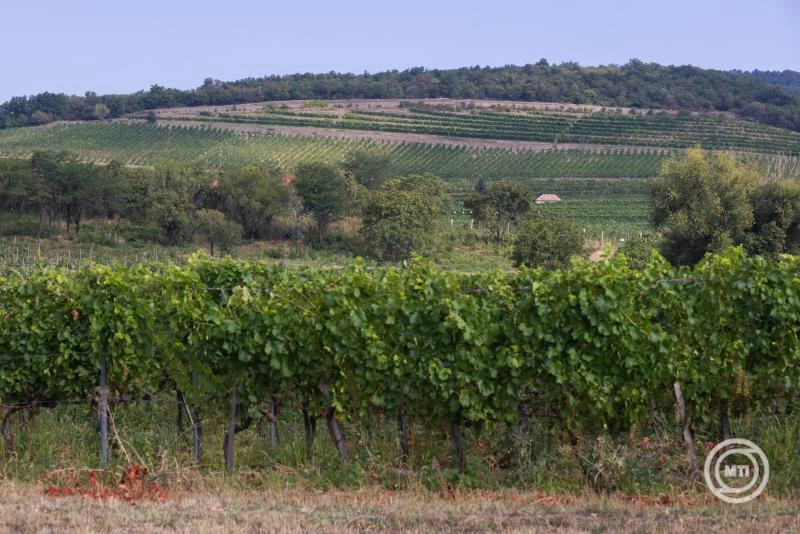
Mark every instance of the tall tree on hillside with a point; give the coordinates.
(65, 188)
(172, 190)
(220, 233)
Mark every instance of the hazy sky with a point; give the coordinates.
(110, 46)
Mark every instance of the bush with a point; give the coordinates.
(639, 251)
(547, 242)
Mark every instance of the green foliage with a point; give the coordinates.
(638, 251)
(703, 205)
(58, 187)
(326, 191)
(548, 242)
(171, 189)
(600, 344)
(776, 210)
(368, 168)
(216, 230)
(100, 111)
(503, 204)
(400, 217)
(252, 196)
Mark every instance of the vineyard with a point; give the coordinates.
(608, 193)
(594, 348)
(141, 144)
(661, 130)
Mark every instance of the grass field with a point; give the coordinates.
(24, 509)
(51, 480)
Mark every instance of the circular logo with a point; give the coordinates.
(738, 467)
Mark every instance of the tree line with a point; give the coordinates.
(702, 203)
(635, 84)
(184, 201)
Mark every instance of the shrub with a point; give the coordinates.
(547, 242)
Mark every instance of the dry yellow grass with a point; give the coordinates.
(23, 508)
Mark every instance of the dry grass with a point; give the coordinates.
(23, 508)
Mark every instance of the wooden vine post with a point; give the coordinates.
(102, 407)
(686, 427)
(197, 429)
(230, 435)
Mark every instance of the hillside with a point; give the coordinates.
(636, 84)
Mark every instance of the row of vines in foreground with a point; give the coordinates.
(601, 345)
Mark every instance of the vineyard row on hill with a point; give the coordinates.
(600, 345)
(713, 133)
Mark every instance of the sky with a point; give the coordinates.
(120, 47)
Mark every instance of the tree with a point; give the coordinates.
(40, 117)
(100, 111)
(326, 192)
(547, 242)
(702, 204)
(66, 188)
(502, 204)
(253, 196)
(367, 168)
(171, 193)
(216, 230)
(399, 218)
(776, 212)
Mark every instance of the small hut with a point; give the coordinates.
(547, 197)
